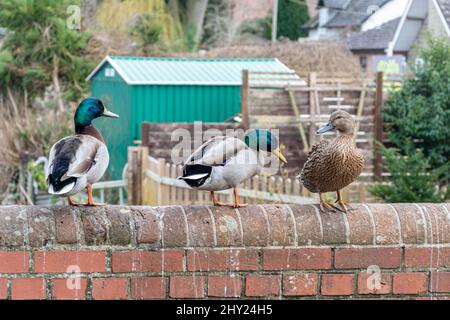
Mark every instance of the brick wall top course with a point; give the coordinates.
(207, 226)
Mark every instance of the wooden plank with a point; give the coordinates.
(339, 93)
(145, 134)
(300, 125)
(272, 72)
(274, 79)
(361, 193)
(360, 109)
(303, 119)
(296, 187)
(172, 171)
(288, 186)
(110, 184)
(244, 100)
(132, 174)
(255, 186)
(340, 106)
(345, 194)
(135, 174)
(378, 128)
(186, 196)
(162, 193)
(313, 107)
(328, 88)
(305, 192)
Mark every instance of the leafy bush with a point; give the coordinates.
(40, 50)
(420, 111)
(259, 27)
(412, 178)
(291, 16)
(147, 30)
(190, 42)
(43, 65)
(38, 174)
(28, 134)
(419, 115)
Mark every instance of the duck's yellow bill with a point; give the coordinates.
(107, 113)
(278, 153)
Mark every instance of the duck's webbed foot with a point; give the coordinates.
(240, 205)
(95, 204)
(324, 206)
(342, 204)
(217, 203)
(71, 203)
(237, 204)
(91, 202)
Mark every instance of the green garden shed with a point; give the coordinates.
(142, 89)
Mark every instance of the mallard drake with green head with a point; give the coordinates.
(224, 162)
(78, 161)
(333, 164)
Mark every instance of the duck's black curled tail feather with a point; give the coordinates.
(65, 151)
(58, 185)
(195, 175)
(59, 169)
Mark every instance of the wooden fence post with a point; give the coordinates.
(162, 190)
(145, 128)
(244, 100)
(378, 128)
(135, 175)
(297, 116)
(312, 108)
(144, 153)
(359, 111)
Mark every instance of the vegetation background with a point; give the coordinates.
(43, 64)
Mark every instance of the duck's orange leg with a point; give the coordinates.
(217, 202)
(236, 199)
(341, 202)
(323, 204)
(91, 202)
(71, 203)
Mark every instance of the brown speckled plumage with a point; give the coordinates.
(333, 164)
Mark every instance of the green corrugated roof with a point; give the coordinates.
(151, 70)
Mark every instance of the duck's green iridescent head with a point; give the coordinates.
(264, 140)
(88, 110)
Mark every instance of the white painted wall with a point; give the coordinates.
(322, 32)
(391, 10)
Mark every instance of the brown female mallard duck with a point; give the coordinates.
(333, 164)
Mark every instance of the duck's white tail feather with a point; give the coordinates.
(194, 176)
(64, 190)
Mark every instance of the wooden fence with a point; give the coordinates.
(154, 182)
(160, 139)
(297, 111)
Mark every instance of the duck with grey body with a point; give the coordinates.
(224, 162)
(78, 161)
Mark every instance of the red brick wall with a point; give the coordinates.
(287, 251)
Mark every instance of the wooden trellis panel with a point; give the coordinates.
(297, 109)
